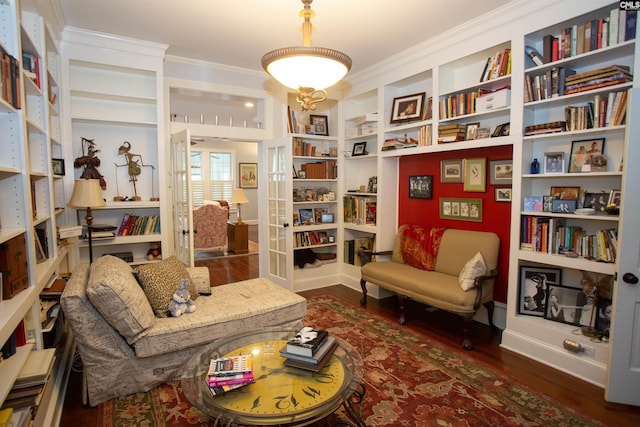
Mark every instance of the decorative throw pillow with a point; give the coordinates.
(473, 268)
(160, 280)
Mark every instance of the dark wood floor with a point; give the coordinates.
(566, 390)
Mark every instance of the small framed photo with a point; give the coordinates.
(406, 108)
(471, 130)
(565, 304)
(565, 193)
(475, 175)
(500, 172)
(421, 187)
(554, 162)
(451, 171)
(318, 213)
(248, 174)
(582, 152)
(501, 130)
(503, 194)
(534, 283)
(532, 204)
(359, 149)
(319, 124)
(57, 166)
(483, 132)
(563, 206)
(597, 201)
(306, 216)
(327, 218)
(461, 209)
(547, 203)
(615, 196)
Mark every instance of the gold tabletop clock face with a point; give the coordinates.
(279, 389)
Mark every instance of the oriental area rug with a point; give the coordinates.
(410, 379)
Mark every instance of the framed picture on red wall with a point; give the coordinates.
(475, 175)
(451, 171)
(421, 187)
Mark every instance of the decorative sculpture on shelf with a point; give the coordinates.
(90, 162)
(134, 166)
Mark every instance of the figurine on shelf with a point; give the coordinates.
(133, 164)
(155, 252)
(90, 162)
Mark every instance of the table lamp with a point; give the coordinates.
(238, 198)
(87, 194)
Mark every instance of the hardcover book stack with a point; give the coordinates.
(451, 133)
(595, 79)
(310, 349)
(229, 373)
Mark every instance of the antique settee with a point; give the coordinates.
(127, 348)
(210, 226)
(455, 265)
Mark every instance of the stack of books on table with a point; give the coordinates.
(309, 349)
(229, 373)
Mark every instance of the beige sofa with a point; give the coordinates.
(440, 288)
(125, 348)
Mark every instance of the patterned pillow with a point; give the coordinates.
(160, 280)
(473, 268)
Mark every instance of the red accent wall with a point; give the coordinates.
(496, 216)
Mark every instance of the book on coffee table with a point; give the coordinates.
(315, 365)
(307, 341)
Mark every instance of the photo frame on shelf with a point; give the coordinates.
(553, 163)
(503, 194)
(475, 175)
(583, 152)
(327, 218)
(597, 201)
(470, 130)
(564, 304)
(565, 193)
(359, 149)
(306, 216)
(533, 289)
(421, 187)
(319, 124)
(451, 171)
(603, 317)
(318, 213)
(614, 197)
(407, 108)
(501, 130)
(483, 132)
(57, 167)
(248, 175)
(461, 209)
(547, 203)
(501, 172)
(563, 206)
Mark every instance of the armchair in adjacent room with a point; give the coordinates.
(210, 226)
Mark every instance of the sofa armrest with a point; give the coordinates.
(477, 284)
(200, 278)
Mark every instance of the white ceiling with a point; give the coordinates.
(239, 32)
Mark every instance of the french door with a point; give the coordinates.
(181, 196)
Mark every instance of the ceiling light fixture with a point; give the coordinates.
(307, 69)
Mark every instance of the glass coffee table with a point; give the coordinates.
(280, 395)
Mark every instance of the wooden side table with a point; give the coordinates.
(238, 237)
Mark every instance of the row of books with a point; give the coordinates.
(326, 169)
(358, 209)
(550, 235)
(10, 79)
(595, 79)
(618, 27)
(137, 225)
(29, 385)
(603, 111)
(31, 67)
(20, 417)
(551, 84)
(460, 104)
(304, 148)
(310, 349)
(497, 65)
(310, 238)
(399, 142)
(355, 250)
(229, 373)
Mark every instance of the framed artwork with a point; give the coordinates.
(248, 173)
(57, 166)
(483, 132)
(500, 172)
(614, 197)
(565, 304)
(359, 148)
(547, 203)
(503, 194)
(327, 218)
(501, 130)
(582, 152)
(318, 214)
(306, 216)
(603, 318)
(451, 171)
(554, 162)
(461, 209)
(421, 187)
(533, 204)
(471, 130)
(565, 193)
(533, 290)
(406, 108)
(563, 206)
(319, 124)
(428, 111)
(595, 201)
(475, 175)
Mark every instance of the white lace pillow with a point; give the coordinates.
(472, 269)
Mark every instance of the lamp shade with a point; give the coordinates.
(238, 197)
(86, 194)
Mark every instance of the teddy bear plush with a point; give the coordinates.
(182, 302)
(155, 252)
